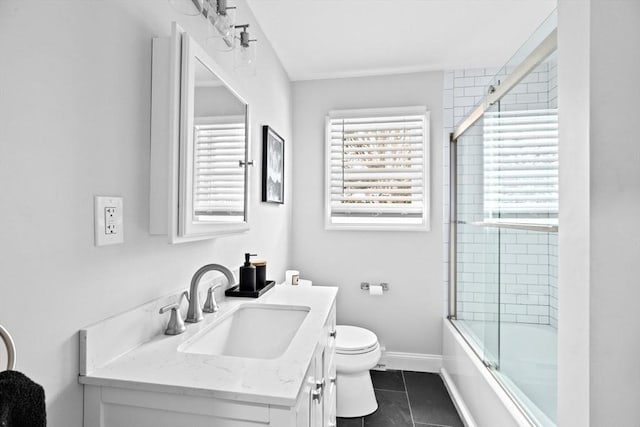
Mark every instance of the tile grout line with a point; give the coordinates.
(404, 382)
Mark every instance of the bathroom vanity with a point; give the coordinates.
(267, 362)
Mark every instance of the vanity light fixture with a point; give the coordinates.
(245, 54)
(222, 31)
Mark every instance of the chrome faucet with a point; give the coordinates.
(175, 325)
(194, 314)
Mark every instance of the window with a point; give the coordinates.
(521, 164)
(377, 169)
(219, 175)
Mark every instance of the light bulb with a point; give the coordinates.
(246, 55)
(245, 58)
(223, 25)
(221, 29)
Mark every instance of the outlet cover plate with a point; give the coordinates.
(108, 214)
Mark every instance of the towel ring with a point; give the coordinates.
(11, 348)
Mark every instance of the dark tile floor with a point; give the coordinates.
(408, 399)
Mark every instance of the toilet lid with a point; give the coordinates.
(354, 340)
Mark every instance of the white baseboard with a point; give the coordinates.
(418, 362)
(463, 411)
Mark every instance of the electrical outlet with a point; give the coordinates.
(108, 223)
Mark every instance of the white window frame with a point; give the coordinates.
(371, 223)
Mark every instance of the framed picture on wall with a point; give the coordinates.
(272, 166)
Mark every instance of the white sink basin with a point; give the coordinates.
(258, 331)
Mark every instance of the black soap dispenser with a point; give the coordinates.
(248, 275)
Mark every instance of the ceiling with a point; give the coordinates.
(318, 39)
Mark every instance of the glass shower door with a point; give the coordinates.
(477, 259)
(521, 203)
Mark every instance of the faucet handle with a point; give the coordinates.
(176, 324)
(211, 305)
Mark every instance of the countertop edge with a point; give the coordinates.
(186, 391)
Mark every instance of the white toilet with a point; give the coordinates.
(357, 351)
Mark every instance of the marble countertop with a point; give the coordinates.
(156, 365)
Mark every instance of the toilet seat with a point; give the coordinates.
(355, 340)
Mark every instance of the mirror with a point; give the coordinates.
(213, 145)
(219, 139)
(200, 130)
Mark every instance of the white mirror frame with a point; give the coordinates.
(192, 52)
(171, 186)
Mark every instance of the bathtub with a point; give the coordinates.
(480, 398)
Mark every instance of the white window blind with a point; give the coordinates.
(521, 163)
(377, 168)
(219, 175)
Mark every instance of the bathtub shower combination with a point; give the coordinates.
(503, 227)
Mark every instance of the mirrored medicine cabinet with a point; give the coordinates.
(199, 145)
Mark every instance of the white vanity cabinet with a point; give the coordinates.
(321, 382)
(329, 371)
(162, 400)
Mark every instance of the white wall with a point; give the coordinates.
(573, 233)
(408, 318)
(75, 87)
(615, 211)
(599, 238)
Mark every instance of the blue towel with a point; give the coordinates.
(22, 401)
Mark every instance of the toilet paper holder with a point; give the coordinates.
(365, 286)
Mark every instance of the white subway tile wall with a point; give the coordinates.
(527, 260)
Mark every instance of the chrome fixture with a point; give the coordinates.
(318, 391)
(223, 28)
(176, 324)
(11, 348)
(244, 36)
(211, 305)
(245, 54)
(365, 286)
(194, 314)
